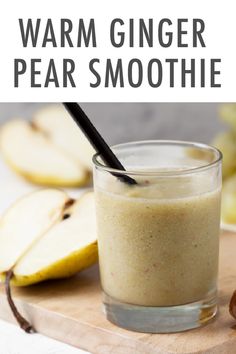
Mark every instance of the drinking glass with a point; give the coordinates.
(158, 239)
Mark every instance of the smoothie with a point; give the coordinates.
(158, 240)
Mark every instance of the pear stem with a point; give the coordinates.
(24, 324)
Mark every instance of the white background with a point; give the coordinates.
(219, 36)
(15, 341)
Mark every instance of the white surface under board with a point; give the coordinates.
(14, 341)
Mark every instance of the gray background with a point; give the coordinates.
(122, 122)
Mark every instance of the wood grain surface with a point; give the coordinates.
(70, 311)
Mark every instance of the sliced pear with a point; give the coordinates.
(46, 235)
(26, 221)
(31, 153)
(63, 132)
(226, 142)
(68, 247)
(228, 207)
(228, 114)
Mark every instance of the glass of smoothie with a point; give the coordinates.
(158, 239)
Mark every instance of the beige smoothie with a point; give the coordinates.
(158, 240)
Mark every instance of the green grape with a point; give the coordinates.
(226, 143)
(228, 206)
(228, 114)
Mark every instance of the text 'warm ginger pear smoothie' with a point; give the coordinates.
(159, 239)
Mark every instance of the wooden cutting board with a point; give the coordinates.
(70, 311)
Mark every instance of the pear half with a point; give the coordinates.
(46, 235)
(32, 153)
(68, 247)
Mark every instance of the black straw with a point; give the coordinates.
(97, 141)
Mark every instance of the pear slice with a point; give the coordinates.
(68, 247)
(30, 152)
(25, 221)
(56, 122)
